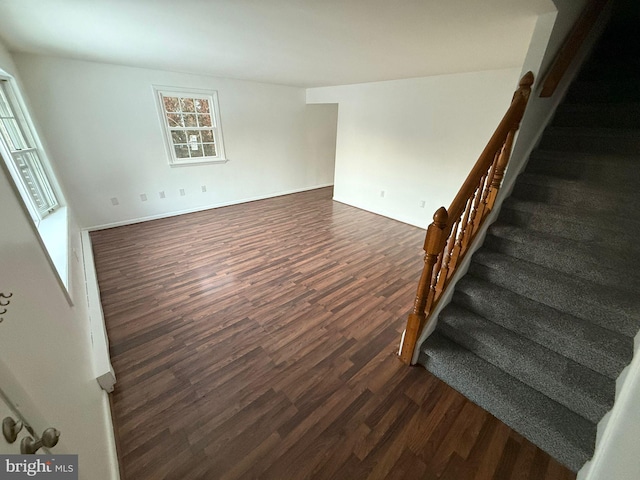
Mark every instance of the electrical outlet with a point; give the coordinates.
(422, 204)
(115, 201)
(143, 197)
(182, 192)
(162, 195)
(204, 188)
(382, 193)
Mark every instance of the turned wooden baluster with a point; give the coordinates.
(433, 245)
(501, 165)
(434, 294)
(464, 232)
(485, 209)
(447, 256)
(474, 219)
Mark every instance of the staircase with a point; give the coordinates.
(543, 322)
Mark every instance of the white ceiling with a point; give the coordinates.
(304, 43)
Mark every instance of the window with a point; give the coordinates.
(28, 170)
(191, 124)
(18, 141)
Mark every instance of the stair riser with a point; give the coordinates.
(604, 174)
(528, 372)
(622, 205)
(611, 317)
(577, 347)
(588, 266)
(573, 142)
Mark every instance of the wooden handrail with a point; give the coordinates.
(451, 234)
(571, 45)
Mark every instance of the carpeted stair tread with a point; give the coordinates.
(578, 139)
(608, 307)
(621, 200)
(582, 390)
(562, 433)
(619, 115)
(599, 265)
(574, 223)
(582, 341)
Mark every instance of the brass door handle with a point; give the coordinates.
(11, 429)
(49, 439)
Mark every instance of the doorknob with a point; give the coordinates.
(49, 439)
(11, 429)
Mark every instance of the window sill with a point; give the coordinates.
(54, 232)
(203, 162)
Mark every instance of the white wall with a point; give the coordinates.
(414, 139)
(320, 148)
(102, 127)
(45, 344)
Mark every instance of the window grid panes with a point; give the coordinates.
(191, 124)
(17, 139)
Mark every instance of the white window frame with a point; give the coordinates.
(36, 166)
(212, 97)
(52, 226)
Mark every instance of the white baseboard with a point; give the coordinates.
(175, 213)
(103, 370)
(377, 212)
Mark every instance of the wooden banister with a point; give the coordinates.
(451, 234)
(571, 45)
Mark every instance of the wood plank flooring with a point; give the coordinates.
(259, 341)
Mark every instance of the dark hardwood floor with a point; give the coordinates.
(259, 341)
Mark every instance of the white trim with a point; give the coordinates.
(205, 207)
(103, 370)
(376, 212)
(54, 232)
(4, 166)
(112, 451)
(25, 123)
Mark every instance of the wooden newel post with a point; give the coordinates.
(426, 288)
